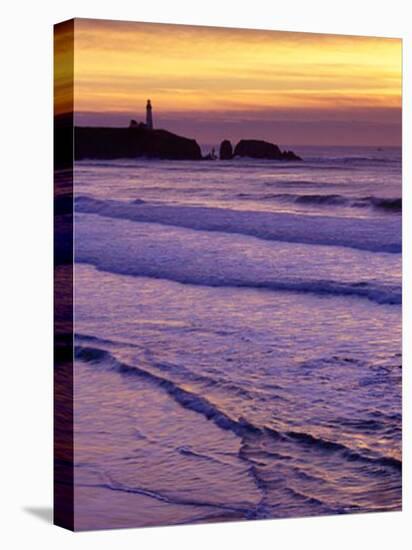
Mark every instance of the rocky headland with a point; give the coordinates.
(133, 142)
(138, 140)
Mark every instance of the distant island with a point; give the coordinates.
(143, 140)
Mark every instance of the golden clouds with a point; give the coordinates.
(63, 67)
(118, 65)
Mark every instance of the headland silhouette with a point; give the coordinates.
(142, 139)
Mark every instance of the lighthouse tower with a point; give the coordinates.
(149, 118)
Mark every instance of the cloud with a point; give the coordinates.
(236, 77)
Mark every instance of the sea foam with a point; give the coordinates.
(363, 234)
(218, 259)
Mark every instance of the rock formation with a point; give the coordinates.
(135, 141)
(226, 150)
(256, 148)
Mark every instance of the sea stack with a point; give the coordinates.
(259, 149)
(226, 150)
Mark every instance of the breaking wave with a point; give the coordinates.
(362, 234)
(239, 426)
(379, 203)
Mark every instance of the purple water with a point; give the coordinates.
(238, 338)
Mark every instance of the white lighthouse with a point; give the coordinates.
(149, 118)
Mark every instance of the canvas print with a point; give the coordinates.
(227, 274)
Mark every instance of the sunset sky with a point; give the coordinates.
(213, 83)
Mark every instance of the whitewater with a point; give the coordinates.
(237, 338)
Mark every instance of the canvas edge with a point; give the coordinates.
(63, 429)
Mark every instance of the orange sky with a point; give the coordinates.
(211, 83)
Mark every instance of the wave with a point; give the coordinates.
(289, 197)
(387, 204)
(333, 200)
(311, 441)
(151, 250)
(243, 161)
(184, 397)
(362, 234)
(394, 204)
(113, 485)
(379, 203)
(355, 159)
(239, 426)
(370, 159)
(378, 293)
(379, 160)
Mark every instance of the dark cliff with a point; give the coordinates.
(256, 148)
(226, 150)
(111, 143)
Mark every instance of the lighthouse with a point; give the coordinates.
(149, 118)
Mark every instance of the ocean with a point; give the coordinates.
(238, 338)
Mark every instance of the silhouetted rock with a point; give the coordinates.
(256, 148)
(290, 155)
(135, 141)
(226, 150)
